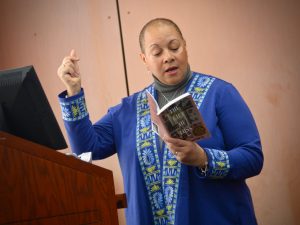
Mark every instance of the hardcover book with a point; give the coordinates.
(179, 118)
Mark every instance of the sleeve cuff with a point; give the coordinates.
(218, 163)
(73, 108)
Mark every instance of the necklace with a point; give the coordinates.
(172, 97)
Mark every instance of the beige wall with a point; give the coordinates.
(42, 32)
(252, 44)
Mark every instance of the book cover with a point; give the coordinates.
(179, 118)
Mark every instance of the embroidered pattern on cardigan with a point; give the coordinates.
(162, 190)
(74, 110)
(220, 163)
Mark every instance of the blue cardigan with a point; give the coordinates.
(159, 189)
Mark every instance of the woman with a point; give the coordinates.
(171, 181)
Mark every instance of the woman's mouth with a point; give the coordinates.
(171, 70)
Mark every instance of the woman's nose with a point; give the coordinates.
(168, 57)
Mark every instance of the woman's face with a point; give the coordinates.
(165, 53)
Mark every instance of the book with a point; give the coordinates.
(179, 118)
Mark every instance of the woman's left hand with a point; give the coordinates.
(186, 152)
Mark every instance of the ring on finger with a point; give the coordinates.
(176, 153)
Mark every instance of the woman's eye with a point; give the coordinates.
(174, 47)
(156, 53)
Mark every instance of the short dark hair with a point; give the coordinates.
(153, 22)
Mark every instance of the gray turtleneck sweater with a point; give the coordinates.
(166, 93)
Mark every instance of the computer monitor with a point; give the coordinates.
(25, 110)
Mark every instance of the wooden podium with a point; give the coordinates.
(39, 186)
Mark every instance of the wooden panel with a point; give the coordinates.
(84, 218)
(41, 185)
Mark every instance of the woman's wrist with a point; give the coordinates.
(203, 165)
(73, 91)
(203, 161)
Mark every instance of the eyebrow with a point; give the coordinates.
(170, 42)
(156, 45)
(153, 46)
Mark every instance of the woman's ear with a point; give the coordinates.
(143, 57)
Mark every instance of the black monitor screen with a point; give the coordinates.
(25, 110)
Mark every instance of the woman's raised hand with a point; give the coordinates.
(69, 73)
